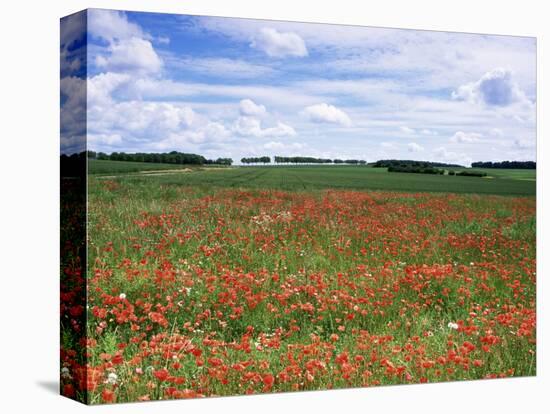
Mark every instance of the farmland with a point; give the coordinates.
(502, 182)
(250, 280)
(124, 167)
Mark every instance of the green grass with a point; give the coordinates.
(510, 182)
(102, 167)
(514, 174)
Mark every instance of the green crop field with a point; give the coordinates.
(507, 173)
(101, 167)
(500, 182)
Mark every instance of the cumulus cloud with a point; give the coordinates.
(72, 44)
(495, 88)
(156, 126)
(247, 107)
(73, 114)
(414, 147)
(465, 137)
(129, 48)
(101, 87)
(112, 25)
(325, 113)
(279, 44)
(251, 127)
(138, 119)
(496, 132)
(131, 55)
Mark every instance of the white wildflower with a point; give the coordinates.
(65, 373)
(122, 296)
(452, 325)
(112, 378)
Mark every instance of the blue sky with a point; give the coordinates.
(240, 87)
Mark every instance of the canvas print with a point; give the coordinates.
(255, 206)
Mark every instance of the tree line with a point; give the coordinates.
(173, 157)
(312, 160)
(415, 169)
(412, 164)
(530, 165)
(434, 170)
(255, 160)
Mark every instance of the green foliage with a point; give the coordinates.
(531, 165)
(256, 160)
(472, 173)
(415, 170)
(411, 163)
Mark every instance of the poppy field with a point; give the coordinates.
(198, 291)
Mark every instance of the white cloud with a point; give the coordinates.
(138, 120)
(279, 44)
(153, 126)
(101, 87)
(496, 132)
(128, 49)
(247, 107)
(112, 25)
(495, 88)
(407, 130)
(324, 113)
(73, 115)
(414, 147)
(251, 127)
(465, 137)
(130, 55)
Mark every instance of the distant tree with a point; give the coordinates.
(471, 173)
(173, 157)
(224, 161)
(411, 163)
(531, 165)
